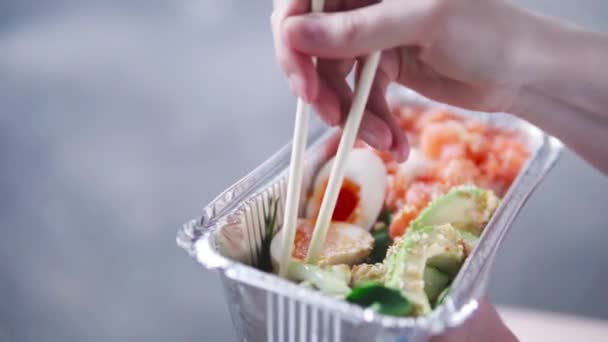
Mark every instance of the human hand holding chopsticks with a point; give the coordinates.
(482, 55)
(325, 86)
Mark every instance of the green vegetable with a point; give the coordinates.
(439, 247)
(442, 296)
(264, 262)
(332, 280)
(467, 208)
(307, 284)
(381, 243)
(384, 300)
(386, 216)
(435, 282)
(381, 238)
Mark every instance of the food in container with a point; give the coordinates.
(434, 208)
(438, 224)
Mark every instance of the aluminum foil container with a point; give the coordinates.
(265, 307)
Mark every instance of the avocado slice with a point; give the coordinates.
(435, 282)
(442, 296)
(467, 208)
(364, 273)
(406, 263)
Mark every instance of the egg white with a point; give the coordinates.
(366, 169)
(345, 244)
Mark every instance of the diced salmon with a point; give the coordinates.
(420, 194)
(401, 221)
(443, 140)
(464, 151)
(434, 115)
(505, 159)
(455, 172)
(396, 189)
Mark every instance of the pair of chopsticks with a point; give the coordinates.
(336, 177)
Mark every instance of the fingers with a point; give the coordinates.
(360, 31)
(299, 69)
(399, 147)
(375, 131)
(328, 104)
(335, 99)
(377, 103)
(333, 90)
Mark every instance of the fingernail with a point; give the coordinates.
(395, 155)
(296, 84)
(330, 114)
(398, 156)
(333, 118)
(371, 139)
(401, 151)
(376, 132)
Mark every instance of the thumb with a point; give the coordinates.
(360, 31)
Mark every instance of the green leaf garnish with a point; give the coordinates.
(381, 238)
(270, 228)
(382, 299)
(386, 217)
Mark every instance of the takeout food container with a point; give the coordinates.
(265, 307)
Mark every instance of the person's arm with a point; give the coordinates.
(566, 90)
(484, 55)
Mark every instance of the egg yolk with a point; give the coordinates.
(347, 204)
(302, 240)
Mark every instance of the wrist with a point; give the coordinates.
(553, 60)
(534, 56)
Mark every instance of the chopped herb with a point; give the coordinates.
(270, 228)
(381, 238)
(386, 217)
(382, 299)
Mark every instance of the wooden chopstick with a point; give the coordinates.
(294, 182)
(347, 142)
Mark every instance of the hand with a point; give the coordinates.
(485, 325)
(459, 52)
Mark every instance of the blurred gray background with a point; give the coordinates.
(120, 120)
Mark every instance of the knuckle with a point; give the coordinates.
(350, 27)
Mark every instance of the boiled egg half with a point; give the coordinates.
(362, 193)
(344, 244)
